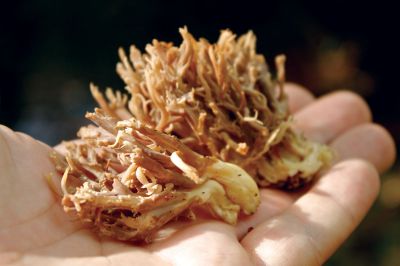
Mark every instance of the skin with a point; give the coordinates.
(303, 228)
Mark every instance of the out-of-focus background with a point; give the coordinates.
(51, 50)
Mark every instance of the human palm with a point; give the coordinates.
(302, 228)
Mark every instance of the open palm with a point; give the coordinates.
(302, 228)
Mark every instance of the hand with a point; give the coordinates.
(302, 228)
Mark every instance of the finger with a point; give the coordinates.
(314, 227)
(370, 142)
(332, 115)
(298, 96)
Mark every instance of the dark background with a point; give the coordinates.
(51, 50)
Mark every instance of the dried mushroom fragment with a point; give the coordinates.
(128, 180)
(221, 101)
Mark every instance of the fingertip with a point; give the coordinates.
(371, 142)
(332, 115)
(355, 100)
(298, 96)
(388, 145)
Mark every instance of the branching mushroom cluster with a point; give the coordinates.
(128, 180)
(194, 117)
